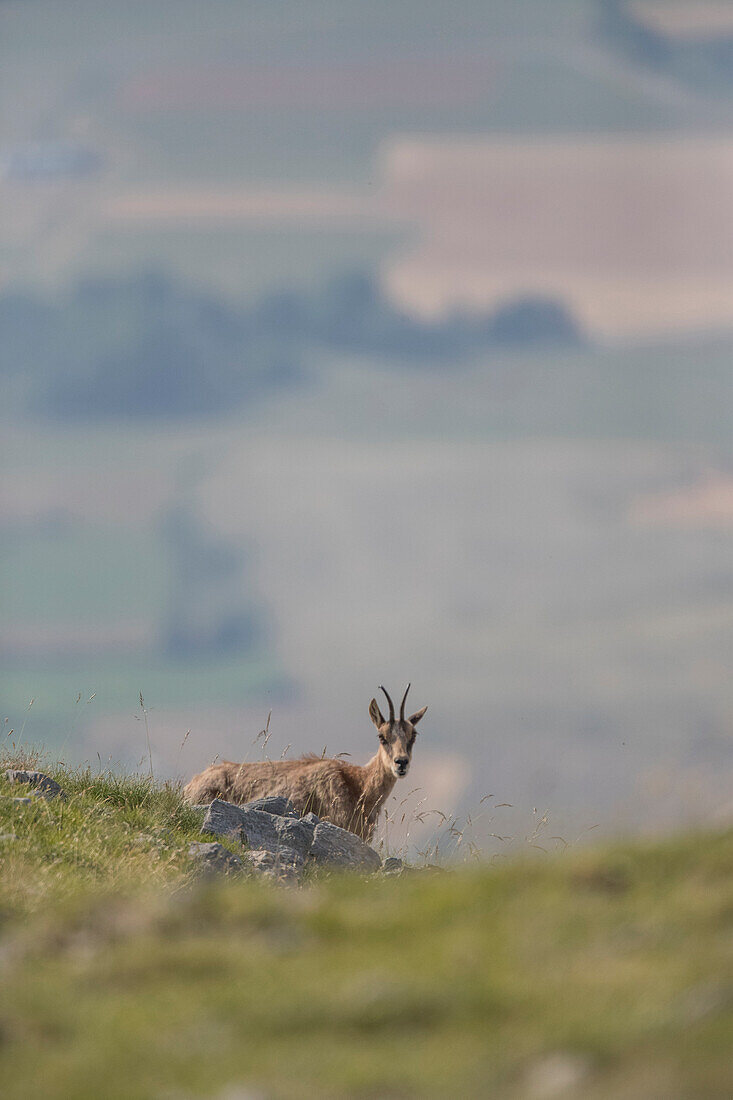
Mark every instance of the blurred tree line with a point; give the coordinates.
(148, 346)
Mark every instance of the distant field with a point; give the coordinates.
(82, 707)
(500, 503)
(252, 102)
(477, 528)
(702, 19)
(632, 233)
(243, 257)
(79, 578)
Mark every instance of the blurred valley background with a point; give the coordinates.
(348, 343)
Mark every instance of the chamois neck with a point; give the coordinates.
(378, 780)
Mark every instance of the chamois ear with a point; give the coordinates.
(375, 714)
(415, 718)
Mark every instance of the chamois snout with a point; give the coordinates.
(401, 764)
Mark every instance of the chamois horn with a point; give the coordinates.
(402, 708)
(391, 704)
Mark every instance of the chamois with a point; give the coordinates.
(349, 795)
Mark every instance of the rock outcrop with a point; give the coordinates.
(214, 859)
(45, 786)
(279, 844)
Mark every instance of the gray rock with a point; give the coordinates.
(214, 858)
(308, 836)
(273, 804)
(285, 857)
(22, 801)
(283, 866)
(258, 829)
(44, 784)
(392, 866)
(336, 847)
(223, 819)
(296, 834)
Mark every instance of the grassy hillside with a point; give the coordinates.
(597, 973)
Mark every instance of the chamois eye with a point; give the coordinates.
(383, 739)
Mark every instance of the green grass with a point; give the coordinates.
(114, 832)
(123, 976)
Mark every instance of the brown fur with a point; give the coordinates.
(348, 795)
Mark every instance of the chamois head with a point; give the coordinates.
(396, 737)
